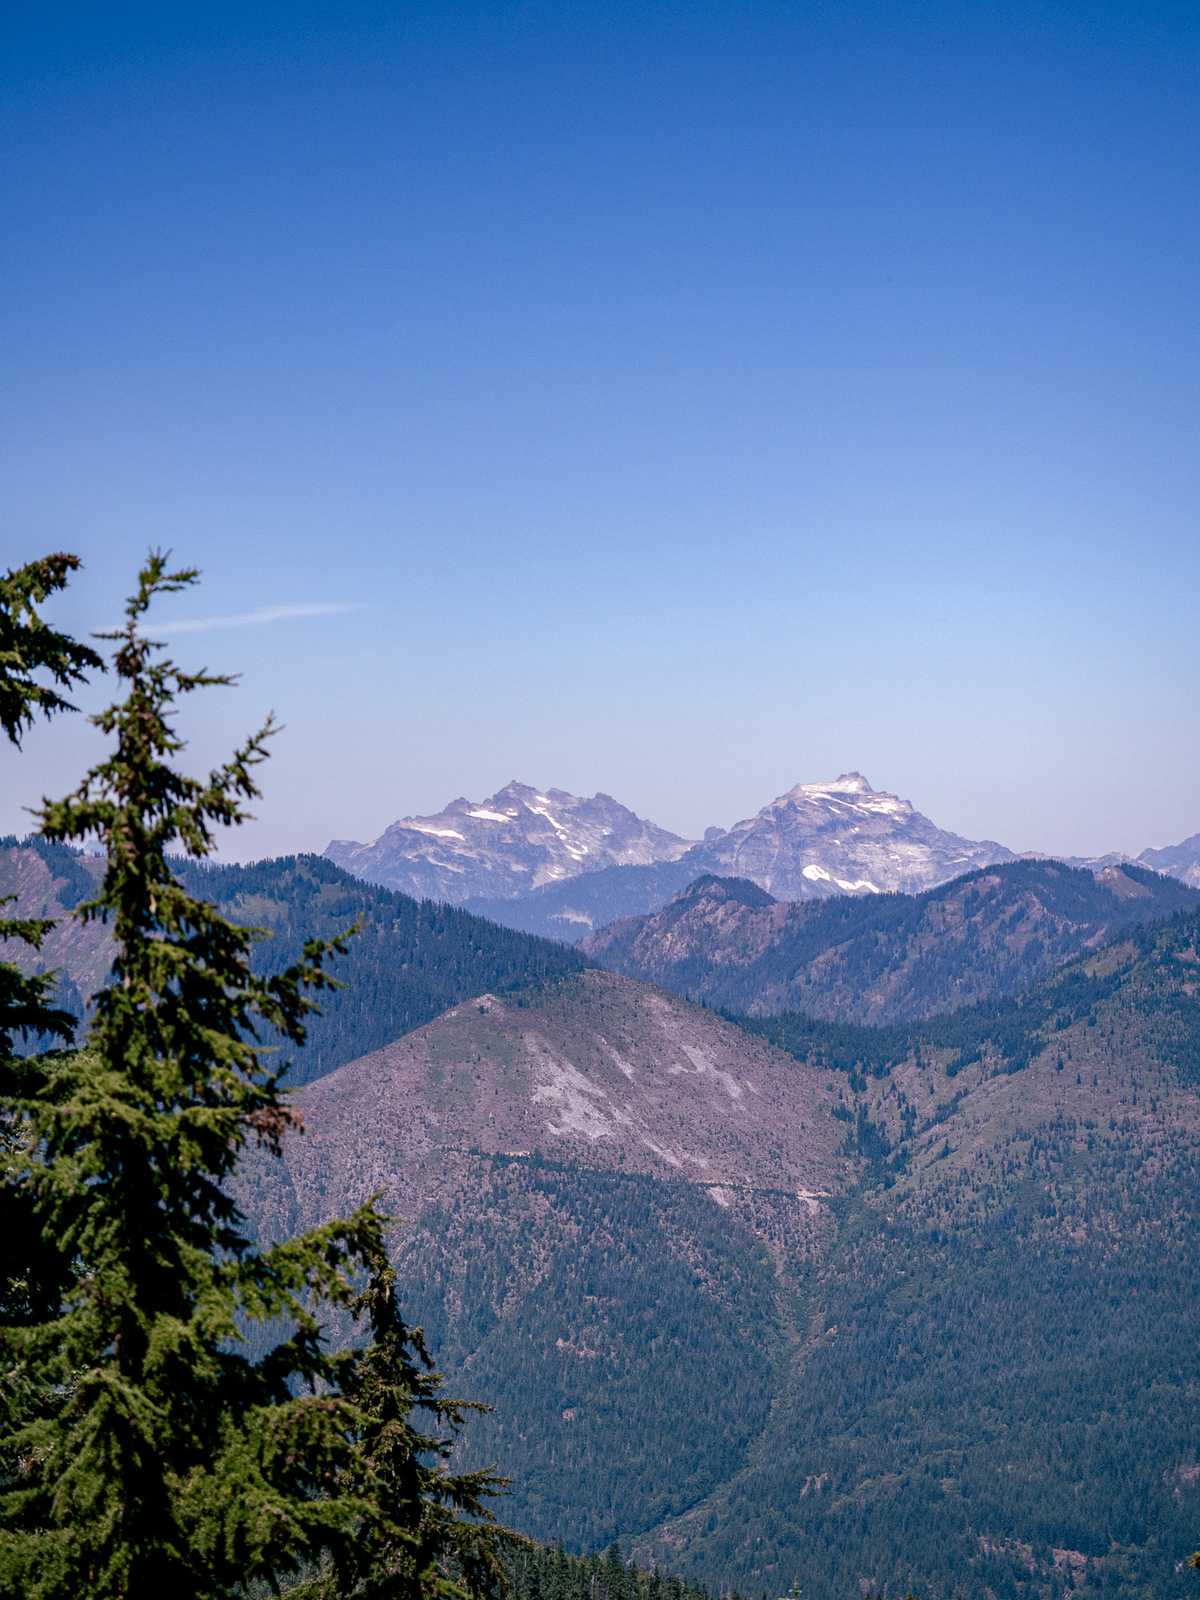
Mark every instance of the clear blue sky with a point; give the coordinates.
(683, 401)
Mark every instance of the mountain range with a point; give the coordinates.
(883, 1278)
(554, 864)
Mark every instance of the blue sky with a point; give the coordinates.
(678, 401)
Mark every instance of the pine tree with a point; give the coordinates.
(432, 1533)
(152, 1455)
(32, 651)
(36, 662)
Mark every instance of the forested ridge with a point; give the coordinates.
(408, 961)
(1144, 964)
(998, 1386)
(884, 959)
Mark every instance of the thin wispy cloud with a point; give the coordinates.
(258, 618)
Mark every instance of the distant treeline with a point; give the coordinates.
(538, 1573)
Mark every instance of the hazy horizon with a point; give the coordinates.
(277, 832)
(678, 404)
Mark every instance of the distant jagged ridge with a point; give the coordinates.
(551, 863)
(555, 864)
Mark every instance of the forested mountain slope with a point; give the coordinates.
(884, 958)
(409, 961)
(997, 1385)
(911, 1304)
(591, 1179)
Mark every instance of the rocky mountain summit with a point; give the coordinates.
(842, 837)
(592, 1067)
(516, 840)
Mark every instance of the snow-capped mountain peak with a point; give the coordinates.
(517, 839)
(847, 783)
(851, 791)
(842, 837)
